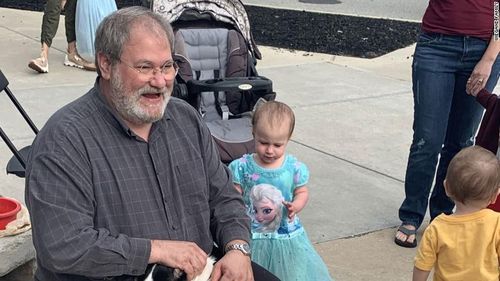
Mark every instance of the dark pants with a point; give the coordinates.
(261, 274)
(50, 21)
(445, 118)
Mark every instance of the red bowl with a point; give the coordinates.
(8, 211)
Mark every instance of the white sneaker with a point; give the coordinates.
(75, 60)
(41, 65)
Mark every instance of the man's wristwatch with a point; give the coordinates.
(242, 247)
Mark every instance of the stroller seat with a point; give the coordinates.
(206, 52)
(214, 54)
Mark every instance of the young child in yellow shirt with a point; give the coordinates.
(466, 244)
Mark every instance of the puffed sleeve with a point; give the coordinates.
(237, 170)
(301, 174)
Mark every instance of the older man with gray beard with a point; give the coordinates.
(125, 177)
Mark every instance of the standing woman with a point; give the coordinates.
(456, 48)
(89, 14)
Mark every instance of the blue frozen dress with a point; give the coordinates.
(283, 248)
(89, 14)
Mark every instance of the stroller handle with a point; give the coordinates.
(252, 83)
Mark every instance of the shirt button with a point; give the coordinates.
(134, 271)
(174, 227)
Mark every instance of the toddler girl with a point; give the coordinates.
(284, 250)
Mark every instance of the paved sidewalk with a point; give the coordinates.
(407, 10)
(353, 130)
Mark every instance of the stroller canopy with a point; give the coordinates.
(228, 11)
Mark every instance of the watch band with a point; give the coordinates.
(242, 247)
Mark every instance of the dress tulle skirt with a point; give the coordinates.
(290, 259)
(89, 13)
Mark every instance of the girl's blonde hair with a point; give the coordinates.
(274, 113)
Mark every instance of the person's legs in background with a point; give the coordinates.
(465, 116)
(50, 24)
(72, 57)
(464, 119)
(433, 76)
(69, 24)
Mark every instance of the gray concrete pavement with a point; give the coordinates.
(353, 130)
(409, 10)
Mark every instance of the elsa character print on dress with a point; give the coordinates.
(279, 241)
(267, 209)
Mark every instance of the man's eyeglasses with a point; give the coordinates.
(168, 69)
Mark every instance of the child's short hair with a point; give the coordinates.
(275, 113)
(473, 174)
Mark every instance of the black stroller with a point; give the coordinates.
(217, 56)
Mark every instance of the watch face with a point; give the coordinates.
(245, 248)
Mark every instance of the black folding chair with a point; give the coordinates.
(17, 164)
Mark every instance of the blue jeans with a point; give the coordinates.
(445, 118)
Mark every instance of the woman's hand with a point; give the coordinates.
(479, 77)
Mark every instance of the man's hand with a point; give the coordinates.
(186, 256)
(234, 266)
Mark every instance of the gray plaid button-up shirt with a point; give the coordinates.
(97, 193)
